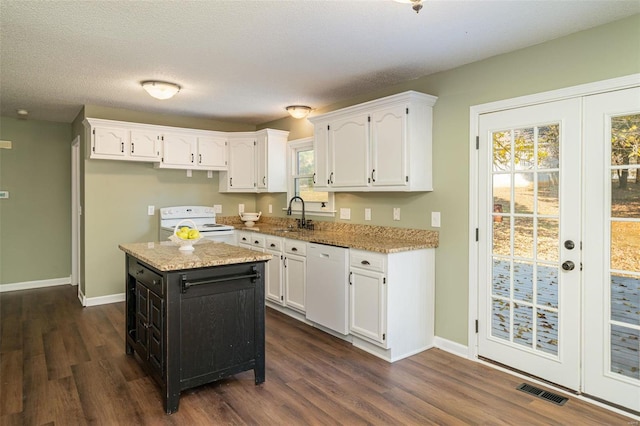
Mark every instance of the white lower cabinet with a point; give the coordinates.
(295, 274)
(274, 273)
(391, 302)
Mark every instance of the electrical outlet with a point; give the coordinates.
(367, 214)
(396, 213)
(345, 213)
(151, 210)
(270, 208)
(435, 219)
(240, 208)
(209, 174)
(189, 173)
(217, 208)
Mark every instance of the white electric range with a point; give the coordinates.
(204, 219)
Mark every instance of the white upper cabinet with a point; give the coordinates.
(241, 175)
(145, 145)
(112, 140)
(178, 150)
(381, 145)
(257, 162)
(212, 152)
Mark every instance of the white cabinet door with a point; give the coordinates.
(295, 272)
(321, 154)
(368, 304)
(109, 141)
(242, 160)
(349, 152)
(261, 161)
(179, 149)
(145, 145)
(274, 278)
(212, 152)
(389, 146)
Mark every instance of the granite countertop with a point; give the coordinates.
(165, 255)
(378, 239)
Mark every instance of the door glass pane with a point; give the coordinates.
(549, 147)
(525, 241)
(548, 193)
(625, 351)
(523, 192)
(548, 236)
(502, 235)
(624, 289)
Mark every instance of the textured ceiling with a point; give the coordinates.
(246, 60)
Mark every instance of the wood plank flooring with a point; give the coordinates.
(61, 364)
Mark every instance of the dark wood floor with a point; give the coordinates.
(63, 364)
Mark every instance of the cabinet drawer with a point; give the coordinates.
(257, 240)
(244, 237)
(367, 260)
(147, 277)
(295, 247)
(273, 243)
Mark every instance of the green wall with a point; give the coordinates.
(35, 221)
(608, 51)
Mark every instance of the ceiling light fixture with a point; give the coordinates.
(160, 89)
(298, 111)
(415, 4)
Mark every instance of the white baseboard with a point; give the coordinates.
(102, 300)
(35, 284)
(451, 347)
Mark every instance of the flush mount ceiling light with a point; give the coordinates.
(298, 111)
(415, 4)
(160, 89)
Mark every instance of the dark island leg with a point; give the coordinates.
(259, 369)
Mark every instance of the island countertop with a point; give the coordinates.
(165, 256)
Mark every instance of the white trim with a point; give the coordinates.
(474, 115)
(26, 285)
(452, 347)
(103, 300)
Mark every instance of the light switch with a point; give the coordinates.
(151, 210)
(345, 213)
(270, 208)
(367, 214)
(240, 208)
(435, 219)
(4, 194)
(189, 173)
(217, 208)
(396, 213)
(209, 174)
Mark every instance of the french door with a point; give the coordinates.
(559, 269)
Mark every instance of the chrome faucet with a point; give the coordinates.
(303, 222)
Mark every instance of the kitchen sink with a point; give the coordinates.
(288, 230)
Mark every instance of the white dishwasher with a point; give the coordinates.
(327, 299)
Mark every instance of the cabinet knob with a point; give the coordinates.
(294, 249)
(365, 262)
(272, 245)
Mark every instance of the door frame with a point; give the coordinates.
(474, 119)
(76, 211)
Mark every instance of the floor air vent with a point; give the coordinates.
(552, 397)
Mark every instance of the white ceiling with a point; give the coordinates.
(246, 60)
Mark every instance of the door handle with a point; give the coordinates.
(568, 265)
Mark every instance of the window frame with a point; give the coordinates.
(312, 208)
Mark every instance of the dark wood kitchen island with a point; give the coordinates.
(194, 317)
